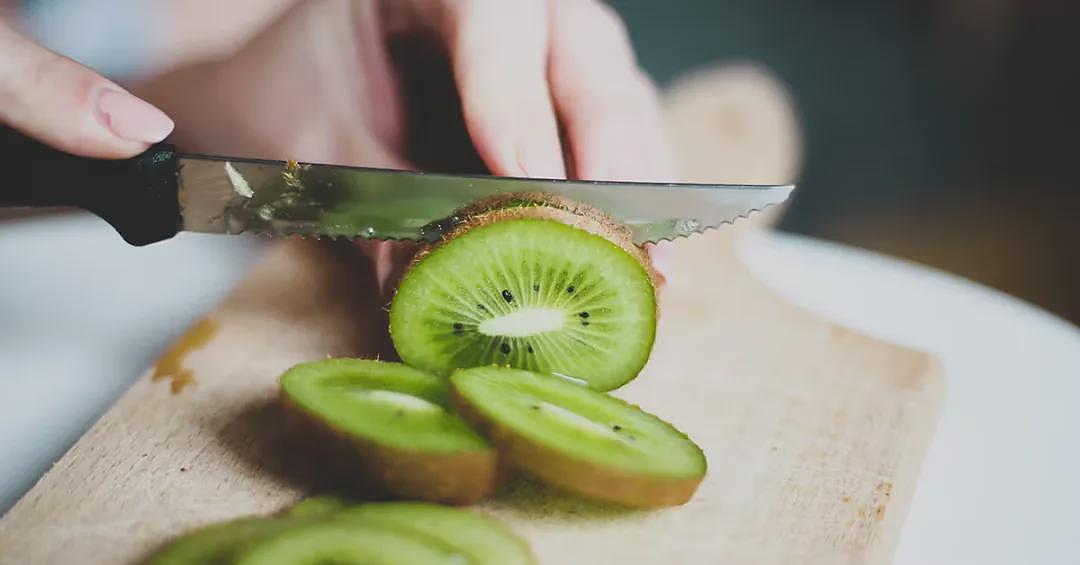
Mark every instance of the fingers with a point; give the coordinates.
(499, 52)
(389, 259)
(609, 107)
(68, 106)
(660, 254)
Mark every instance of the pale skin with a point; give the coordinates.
(318, 81)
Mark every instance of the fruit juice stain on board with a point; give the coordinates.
(170, 365)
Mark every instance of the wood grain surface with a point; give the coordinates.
(814, 434)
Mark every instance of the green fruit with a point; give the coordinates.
(342, 543)
(217, 544)
(579, 439)
(533, 287)
(387, 428)
(327, 529)
(317, 506)
(481, 538)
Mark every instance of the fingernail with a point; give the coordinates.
(540, 160)
(131, 118)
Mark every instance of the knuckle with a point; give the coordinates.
(56, 74)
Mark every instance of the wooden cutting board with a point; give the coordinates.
(814, 434)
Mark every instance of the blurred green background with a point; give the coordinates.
(941, 131)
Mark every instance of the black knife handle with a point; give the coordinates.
(137, 196)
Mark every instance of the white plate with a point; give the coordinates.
(82, 315)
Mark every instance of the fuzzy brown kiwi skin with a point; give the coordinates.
(547, 200)
(537, 205)
(592, 481)
(456, 479)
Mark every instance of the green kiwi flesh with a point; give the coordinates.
(317, 506)
(389, 429)
(341, 543)
(481, 538)
(325, 529)
(523, 288)
(579, 439)
(478, 535)
(217, 544)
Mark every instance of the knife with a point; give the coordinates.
(157, 194)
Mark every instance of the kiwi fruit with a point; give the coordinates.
(530, 282)
(480, 537)
(217, 544)
(388, 429)
(579, 439)
(326, 529)
(344, 543)
(317, 506)
(571, 212)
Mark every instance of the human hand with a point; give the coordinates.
(69, 107)
(324, 83)
(521, 67)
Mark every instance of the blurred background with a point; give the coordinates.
(939, 131)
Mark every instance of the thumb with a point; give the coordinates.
(69, 107)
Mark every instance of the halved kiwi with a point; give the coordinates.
(387, 428)
(579, 439)
(530, 284)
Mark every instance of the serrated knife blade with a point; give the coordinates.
(227, 195)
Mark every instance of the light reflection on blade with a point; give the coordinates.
(332, 201)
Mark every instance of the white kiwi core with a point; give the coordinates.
(576, 421)
(398, 400)
(524, 322)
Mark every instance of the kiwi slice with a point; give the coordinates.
(388, 428)
(577, 214)
(479, 537)
(217, 544)
(344, 543)
(317, 506)
(330, 529)
(530, 284)
(579, 439)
